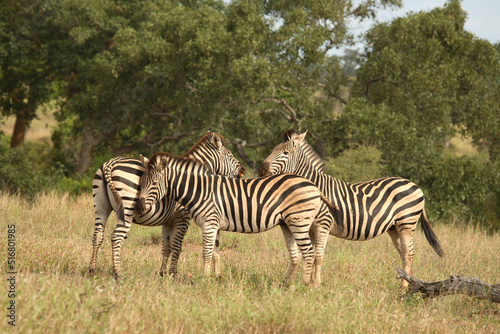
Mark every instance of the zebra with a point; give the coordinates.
(314, 158)
(247, 206)
(370, 208)
(116, 187)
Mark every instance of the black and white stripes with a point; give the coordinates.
(116, 187)
(245, 206)
(368, 208)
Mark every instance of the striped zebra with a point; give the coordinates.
(314, 158)
(116, 187)
(218, 203)
(368, 208)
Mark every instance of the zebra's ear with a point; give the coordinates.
(216, 141)
(163, 163)
(144, 160)
(297, 141)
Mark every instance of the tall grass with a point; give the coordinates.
(359, 293)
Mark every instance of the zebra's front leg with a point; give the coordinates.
(209, 230)
(293, 251)
(178, 232)
(166, 248)
(120, 232)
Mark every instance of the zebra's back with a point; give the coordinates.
(371, 207)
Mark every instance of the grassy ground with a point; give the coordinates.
(359, 292)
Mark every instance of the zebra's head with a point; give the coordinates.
(284, 157)
(224, 163)
(151, 181)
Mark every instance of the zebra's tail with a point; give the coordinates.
(429, 234)
(120, 213)
(336, 213)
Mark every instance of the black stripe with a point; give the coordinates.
(129, 170)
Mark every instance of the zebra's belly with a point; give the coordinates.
(255, 224)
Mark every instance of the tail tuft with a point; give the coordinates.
(430, 236)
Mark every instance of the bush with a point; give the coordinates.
(30, 169)
(356, 165)
(25, 169)
(455, 188)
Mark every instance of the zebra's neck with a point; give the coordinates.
(185, 179)
(203, 153)
(330, 186)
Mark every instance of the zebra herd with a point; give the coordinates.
(206, 185)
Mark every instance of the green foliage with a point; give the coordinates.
(163, 73)
(25, 169)
(25, 59)
(30, 169)
(356, 165)
(424, 80)
(457, 187)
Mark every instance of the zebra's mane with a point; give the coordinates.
(289, 135)
(204, 139)
(200, 142)
(157, 157)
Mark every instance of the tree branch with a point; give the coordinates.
(239, 146)
(454, 285)
(369, 83)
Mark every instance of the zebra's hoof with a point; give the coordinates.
(118, 277)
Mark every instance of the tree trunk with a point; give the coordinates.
(89, 141)
(20, 129)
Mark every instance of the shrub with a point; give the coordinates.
(356, 165)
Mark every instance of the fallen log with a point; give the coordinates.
(470, 286)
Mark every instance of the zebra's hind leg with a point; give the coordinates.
(97, 242)
(120, 232)
(293, 250)
(301, 236)
(216, 258)
(102, 209)
(402, 238)
(319, 237)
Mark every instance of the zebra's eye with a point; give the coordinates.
(286, 152)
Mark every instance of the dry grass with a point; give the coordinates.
(359, 292)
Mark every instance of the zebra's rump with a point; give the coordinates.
(371, 207)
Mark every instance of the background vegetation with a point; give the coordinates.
(360, 292)
(130, 77)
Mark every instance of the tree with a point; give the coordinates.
(23, 64)
(424, 80)
(166, 72)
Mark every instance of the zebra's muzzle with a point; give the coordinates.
(264, 169)
(140, 207)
